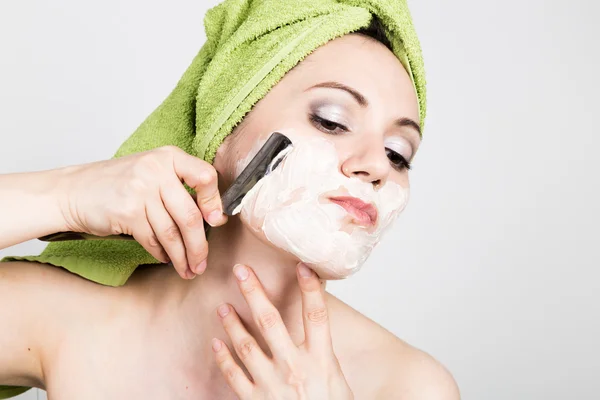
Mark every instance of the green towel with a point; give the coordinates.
(250, 46)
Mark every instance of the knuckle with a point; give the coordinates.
(246, 348)
(137, 185)
(318, 315)
(194, 219)
(200, 251)
(212, 200)
(207, 177)
(172, 234)
(248, 288)
(222, 359)
(268, 320)
(169, 149)
(231, 373)
(153, 241)
(148, 164)
(295, 379)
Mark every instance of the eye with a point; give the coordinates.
(397, 160)
(327, 126)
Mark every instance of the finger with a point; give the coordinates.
(314, 312)
(233, 374)
(145, 236)
(264, 313)
(184, 211)
(246, 347)
(168, 235)
(202, 177)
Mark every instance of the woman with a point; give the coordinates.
(264, 329)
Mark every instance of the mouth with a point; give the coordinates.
(364, 214)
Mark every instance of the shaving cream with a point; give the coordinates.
(291, 207)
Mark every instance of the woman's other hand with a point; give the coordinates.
(142, 195)
(308, 371)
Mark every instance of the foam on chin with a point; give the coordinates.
(290, 207)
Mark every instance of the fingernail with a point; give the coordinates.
(200, 268)
(223, 310)
(241, 272)
(304, 271)
(215, 217)
(216, 345)
(190, 274)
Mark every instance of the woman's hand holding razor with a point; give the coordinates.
(142, 195)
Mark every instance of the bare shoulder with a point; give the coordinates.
(51, 293)
(29, 311)
(414, 374)
(53, 297)
(396, 370)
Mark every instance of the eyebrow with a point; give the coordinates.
(362, 100)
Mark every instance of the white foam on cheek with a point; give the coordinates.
(286, 207)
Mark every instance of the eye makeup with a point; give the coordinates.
(330, 116)
(399, 152)
(331, 119)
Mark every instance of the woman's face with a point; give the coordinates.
(351, 112)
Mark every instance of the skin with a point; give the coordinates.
(153, 338)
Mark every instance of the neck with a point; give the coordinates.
(196, 301)
(234, 244)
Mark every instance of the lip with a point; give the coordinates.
(365, 214)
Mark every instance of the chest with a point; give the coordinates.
(131, 369)
(130, 364)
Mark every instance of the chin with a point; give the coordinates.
(328, 264)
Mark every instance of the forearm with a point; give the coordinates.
(30, 206)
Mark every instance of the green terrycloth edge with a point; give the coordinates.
(94, 262)
(7, 392)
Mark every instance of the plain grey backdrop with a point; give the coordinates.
(492, 269)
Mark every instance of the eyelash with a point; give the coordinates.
(397, 160)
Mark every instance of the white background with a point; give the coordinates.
(493, 268)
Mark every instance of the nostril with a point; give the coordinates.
(376, 184)
(361, 174)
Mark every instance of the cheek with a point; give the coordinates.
(401, 179)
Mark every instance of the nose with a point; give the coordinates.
(368, 162)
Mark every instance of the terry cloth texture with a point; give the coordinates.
(250, 46)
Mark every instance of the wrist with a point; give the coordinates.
(54, 194)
